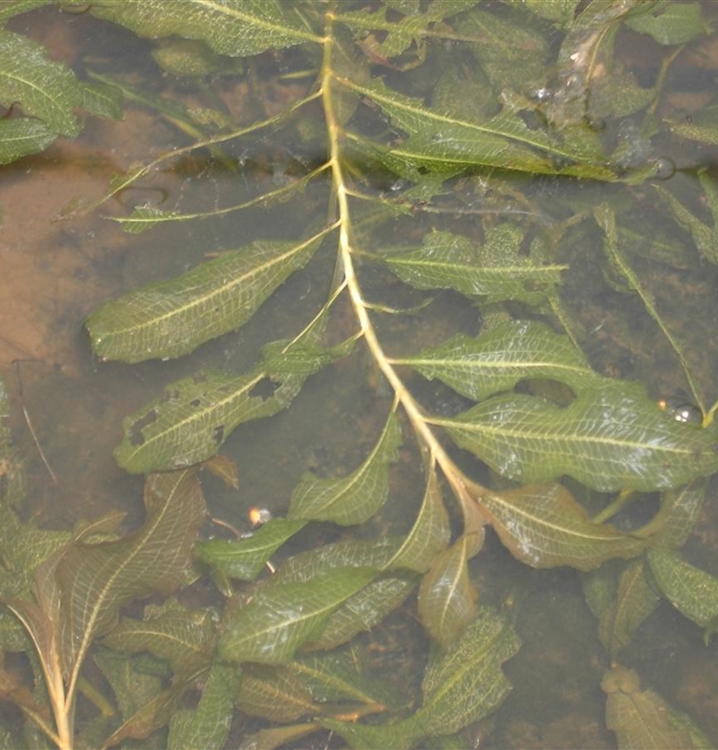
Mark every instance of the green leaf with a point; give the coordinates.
(429, 535)
(466, 683)
(449, 261)
(621, 602)
(133, 685)
(230, 27)
(461, 686)
(170, 318)
(246, 558)
(180, 636)
(365, 609)
(208, 725)
(46, 90)
(679, 512)
(704, 237)
(642, 719)
(447, 598)
(282, 617)
(670, 23)
(447, 137)
(500, 358)
(339, 675)
(195, 416)
(274, 693)
(22, 137)
(544, 526)
(144, 218)
(97, 579)
(693, 592)
(609, 439)
(356, 497)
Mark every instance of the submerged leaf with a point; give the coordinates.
(544, 526)
(497, 360)
(169, 318)
(208, 724)
(22, 137)
(281, 617)
(693, 592)
(609, 438)
(448, 137)
(45, 89)
(230, 27)
(183, 638)
(642, 719)
(447, 598)
(274, 693)
(97, 579)
(450, 261)
(429, 535)
(356, 497)
(461, 686)
(246, 558)
(195, 416)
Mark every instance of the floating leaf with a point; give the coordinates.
(356, 497)
(500, 358)
(246, 558)
(544, 526)
(207, 726)
(447, 598)
(642, 719)
(693, 592)
(97, 579)
(609, 438)
(449, 261)
(282, 617)
(232, 27)
(170, 318)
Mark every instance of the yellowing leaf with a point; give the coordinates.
(544, 526)
(447, 598)
(97, 579)
(642, 719)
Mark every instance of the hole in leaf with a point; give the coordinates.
(136, 437)
(266, 388)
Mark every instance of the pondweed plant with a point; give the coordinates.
(415, 126)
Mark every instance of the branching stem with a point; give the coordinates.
(426, 437)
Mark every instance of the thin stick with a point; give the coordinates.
(28, 422)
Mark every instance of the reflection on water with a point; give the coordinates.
(69, 407)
